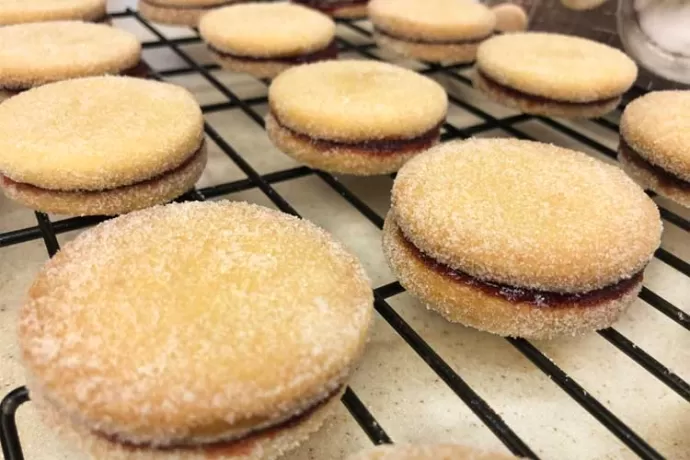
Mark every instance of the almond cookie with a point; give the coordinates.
(194, 331)
(179, 12)
(520, 238)
(354, 117)
(552, 74)
(445, 31)
(100, 145)
(21, 11)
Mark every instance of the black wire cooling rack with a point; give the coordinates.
(47, 230)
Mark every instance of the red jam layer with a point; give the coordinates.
(373, 147)
(468, 41)
(665, 177)
(329, 52)
(539, 99)
(189, 7)
(533, 297)
(331, 5)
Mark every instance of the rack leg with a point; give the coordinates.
(9, 436)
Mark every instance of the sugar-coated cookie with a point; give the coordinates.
(179, 12)
(21, 11)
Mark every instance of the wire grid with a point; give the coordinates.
(47, 230)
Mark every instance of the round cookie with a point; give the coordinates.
(581, 5)
(552, 74)
(221, 330)
(428, 452)
(653, 146)
(43, 52)
(445, 31)
(100, 145)
(535, 241)
(347, 9)
(354, 117)
(510, 17)
(179, 12)
(22, 11)
(264, 39)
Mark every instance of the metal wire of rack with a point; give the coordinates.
(47, 230)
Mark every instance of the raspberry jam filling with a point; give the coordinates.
(467, 41)
(329, 52)
(665, 177)
(533, 297)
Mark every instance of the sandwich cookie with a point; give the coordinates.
(353, 9)
(654, 143)
(446, 31)
(194, 331)
(510, 17)
(264, 39)
(44, 52)
(552, 74)
(428, 452)
(520, 238)
(354, 117)
(21, 11)
(179, 12)
(100, 145)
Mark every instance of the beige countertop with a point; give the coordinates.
(407, 398)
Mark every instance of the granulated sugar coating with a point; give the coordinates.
(20, 11)
(179, 12)
(267, 29)
(353, 101)
(526, 214)
(97, 133)
(656, 127)
(559, 67)
(194, 322)
(432, 20)
(33, 54)
(428, 452)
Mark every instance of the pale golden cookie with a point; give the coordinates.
(100, 134)
(352, 9)
(536, 67)
(44, 52)
(437, 31)
(580, 5)
(21, 11)
(428, 452)
(361, 117)
(510, 17)
(207, 325)
(535, 241)
(179, 12)
(264, 39)
(530, 215)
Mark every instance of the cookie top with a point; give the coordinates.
(20, 11)
(353, 101)
(656, 126)
(526, 214)
(267, 29)
(97, 133)
(510, 17)
(432, 19)
(555, 66)
(43, 52)
(191, 321)
(428, 452)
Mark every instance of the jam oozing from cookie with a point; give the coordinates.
(7, 182)
(233, 447)
(533, 297)
(372, 147)
(188, 7)
(514, 93)
(664, 176)
(329, 52)
(331, 5)
(421, 41)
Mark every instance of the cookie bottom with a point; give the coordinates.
(442, 53)
(472, 306)
(537, 105)
(649, 178)
(112, 202)
(176, 16)
(349, 11)
(267, 445)
(340, 158)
